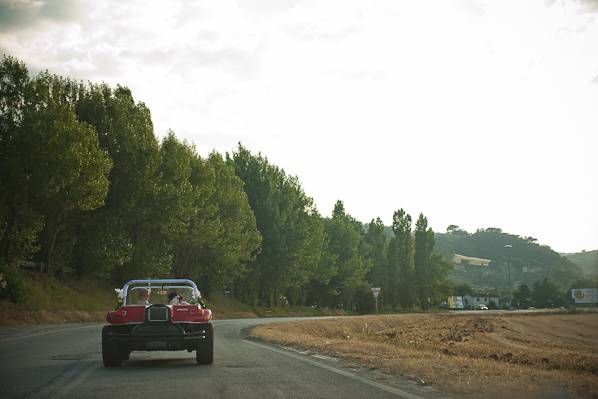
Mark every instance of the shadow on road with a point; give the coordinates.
(157, 363)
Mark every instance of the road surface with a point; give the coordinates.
(65, 362)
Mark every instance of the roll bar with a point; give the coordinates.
(158, 283)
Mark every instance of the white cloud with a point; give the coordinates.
(476, 113)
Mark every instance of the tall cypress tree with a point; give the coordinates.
(421, 260)
(392, 289)
(378, 244)
(401, 227)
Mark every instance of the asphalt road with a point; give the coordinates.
(65, 362)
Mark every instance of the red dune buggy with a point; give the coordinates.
(158, 315)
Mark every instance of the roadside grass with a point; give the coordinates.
(227, 307)
(525, 355)
(298, 311)
(48, 300)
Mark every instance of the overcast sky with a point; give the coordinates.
(480, 114)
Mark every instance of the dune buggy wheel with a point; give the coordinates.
(204, 352)
(125, 353)
(111, 353)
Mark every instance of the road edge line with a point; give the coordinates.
(386, 388)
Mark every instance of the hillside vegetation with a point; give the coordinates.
(529, 261)
(48, 300)
(587, 261)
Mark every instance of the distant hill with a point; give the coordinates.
(529, 261)
(586, 260)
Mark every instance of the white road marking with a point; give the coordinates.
(386, 388)
(323, 357)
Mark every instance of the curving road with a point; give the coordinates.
(65, 362)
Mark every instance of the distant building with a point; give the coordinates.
(470, 261)
(471, 301)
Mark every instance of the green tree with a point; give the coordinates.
(170, 208)
(522, 297)
(285, 217)
(116, 235)
(352, 254)
(60, 186)
(545, 294)
(423, 252)
(401, 227)
(431, 269)
(20, 222)
(394, 290)
(462, 289)
(375, 238)
(439, 284)
(222, 238)
(319, 290)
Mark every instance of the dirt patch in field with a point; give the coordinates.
(481, 355)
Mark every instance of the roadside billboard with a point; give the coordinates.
(585, 295)
(455, 302)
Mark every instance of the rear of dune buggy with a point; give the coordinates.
(158, 315)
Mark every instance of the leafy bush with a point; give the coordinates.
(11, 285)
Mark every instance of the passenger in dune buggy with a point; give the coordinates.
(175, 299)
(158, 315)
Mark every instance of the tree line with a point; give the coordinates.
(546, 294)
(86, 187)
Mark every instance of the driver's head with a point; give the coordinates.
(143, 294)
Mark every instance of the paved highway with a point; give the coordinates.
(65, 362)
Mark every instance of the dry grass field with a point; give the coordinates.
(474, 355)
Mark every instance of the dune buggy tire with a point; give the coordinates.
(204, 352)
(124, 354)
(111, 353)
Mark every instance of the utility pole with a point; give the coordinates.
(508, 248)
